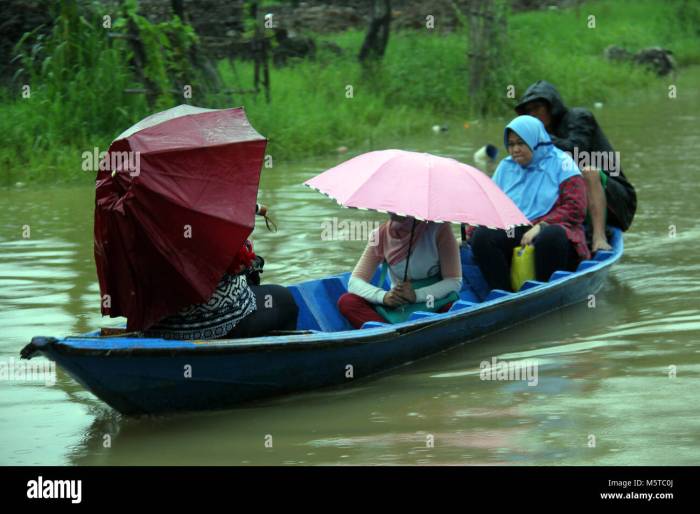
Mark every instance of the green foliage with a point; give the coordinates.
(78, 77)
(423, 77)
(312, 109)
(559, 46)
(166, 46)
(69, 94)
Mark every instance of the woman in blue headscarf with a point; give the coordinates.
(547, 186)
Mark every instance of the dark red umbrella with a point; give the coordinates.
(171, 214)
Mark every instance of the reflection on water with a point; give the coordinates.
(617, 384)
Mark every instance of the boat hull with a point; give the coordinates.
(158, 376)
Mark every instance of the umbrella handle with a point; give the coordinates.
(269, 221)
(261, 210)
(410, 243)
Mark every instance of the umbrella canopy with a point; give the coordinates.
(170, 217)
(420, 185)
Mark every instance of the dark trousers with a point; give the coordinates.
(622, 202)
(276, 310)
(493, 252)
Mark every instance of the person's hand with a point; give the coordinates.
(393, 299)
(530, 235)
(405, 290)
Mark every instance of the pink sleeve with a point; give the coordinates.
(367, 265)
(448, 250)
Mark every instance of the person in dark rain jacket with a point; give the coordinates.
(611, 197)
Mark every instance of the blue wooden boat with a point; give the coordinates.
(137, 375)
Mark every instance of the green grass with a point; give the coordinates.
(312, 111)
(559, 46)
(422, 77)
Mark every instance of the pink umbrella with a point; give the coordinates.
(420, 185)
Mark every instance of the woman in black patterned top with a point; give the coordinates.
(235, 309)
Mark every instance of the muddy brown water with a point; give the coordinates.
(617, 384)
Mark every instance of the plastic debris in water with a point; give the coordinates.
(485, 155)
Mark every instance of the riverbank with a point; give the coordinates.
(318, 106)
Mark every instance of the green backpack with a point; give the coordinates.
(402, 313)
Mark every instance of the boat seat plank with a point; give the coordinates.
(461, 305)
(305, 320)
(602, 255)
(420, 315)
(317, 301)
(495, 294)
(374, 324)
(529, 284)
(586, 264)
(558, 275)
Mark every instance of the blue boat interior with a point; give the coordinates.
(317, 299)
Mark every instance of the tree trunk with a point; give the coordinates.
(139, 62)
(377, 36)
(259, 46)
(486, 26)
(179, 8)
(212, 80)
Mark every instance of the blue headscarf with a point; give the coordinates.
(535, 187)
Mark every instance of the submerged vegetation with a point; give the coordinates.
(76, 88)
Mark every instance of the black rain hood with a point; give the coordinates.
(576, 131)
(543, 90)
